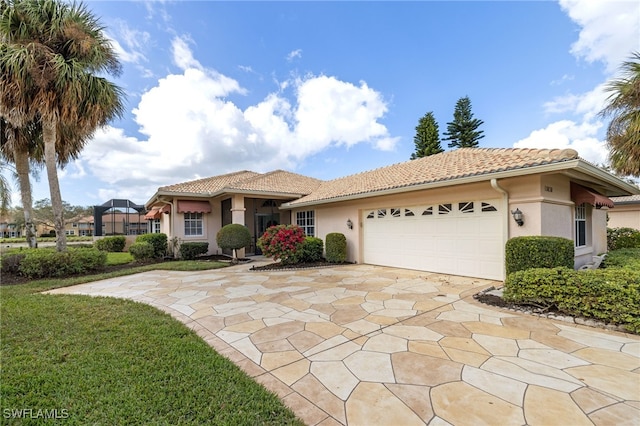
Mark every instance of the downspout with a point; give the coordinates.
(505, 220)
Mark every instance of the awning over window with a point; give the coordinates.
(580, 195)
(154, 213)
(194, 207)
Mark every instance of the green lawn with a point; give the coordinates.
(121, 258)
(111, 361)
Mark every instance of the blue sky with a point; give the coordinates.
(329, 89)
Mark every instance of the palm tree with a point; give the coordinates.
(5, 189)
(19, 146)
(623, 133)
(49, 58)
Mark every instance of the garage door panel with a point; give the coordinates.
(464, 241)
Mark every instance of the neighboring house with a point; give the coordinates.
(448, 213)
(9, 229)
(626, 213)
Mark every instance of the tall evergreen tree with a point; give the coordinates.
(427, 138)
(463, 131)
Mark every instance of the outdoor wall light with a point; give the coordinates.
(518, 216)
(349, 224)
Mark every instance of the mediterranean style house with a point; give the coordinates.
(449, 213)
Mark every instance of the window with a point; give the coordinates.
(70, 232)
(382, 213)
(192, 224)
(486, 207)
(395, 212)
(428, 211)
(307, 221)
(444, 209)
(408, 212)
(155, 226)
(581, 225)
(466, 207)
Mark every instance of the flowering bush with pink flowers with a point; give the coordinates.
(282, 242)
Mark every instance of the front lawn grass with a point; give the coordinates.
(121, 258)
(105, 361)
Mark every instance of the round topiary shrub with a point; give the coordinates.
(233, 236)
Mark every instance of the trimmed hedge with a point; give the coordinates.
(111, 244)
(522, 253)
(189, 251)
(157, 241)
(233, 236)
(336, 248)
(609, 295)
(142, 251)
(620, 238)
(310, 251)
(48, 263)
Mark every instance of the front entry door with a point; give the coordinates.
(264, 221)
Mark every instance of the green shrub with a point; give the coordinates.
(142, 251)
(47, 263)
(11, 262)
(310, 250)
(619, 238)
(282, 242)
(624, 258)
(609, 295)
(158, 241)
(336, 248)
(523, 253)
(233, 236)
(189, 251)
(111, 244)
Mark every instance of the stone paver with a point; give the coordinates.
(361, 344)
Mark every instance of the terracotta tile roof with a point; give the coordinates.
(210, 184)
(447, 166)
(278, 181)
(631, 199)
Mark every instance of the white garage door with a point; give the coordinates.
(461, 238)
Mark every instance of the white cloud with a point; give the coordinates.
(294, 54)
(567, 134)
(609, 32)
(192, 129)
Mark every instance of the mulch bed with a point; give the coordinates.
(277, 266)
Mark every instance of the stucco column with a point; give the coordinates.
(237, 214)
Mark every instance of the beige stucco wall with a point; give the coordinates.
(625, 216)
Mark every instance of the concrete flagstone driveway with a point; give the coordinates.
(368, 345)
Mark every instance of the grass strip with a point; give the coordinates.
(98, 360)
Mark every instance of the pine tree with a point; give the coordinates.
(462, 131)
(427, 138)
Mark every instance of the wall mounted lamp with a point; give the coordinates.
(349, 224)
(518, 216)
